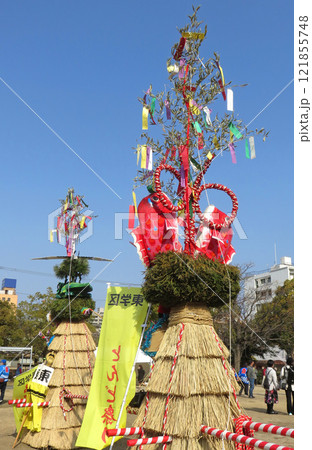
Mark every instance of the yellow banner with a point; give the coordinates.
(125, 311)
(21, 383)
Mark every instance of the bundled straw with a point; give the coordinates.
(56, 431)
(201, 386)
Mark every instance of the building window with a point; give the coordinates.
(257, 283)
(262, 280)
(265, 294)
(291, 273)
(269, 280)
(9, 299)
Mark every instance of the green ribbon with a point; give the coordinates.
(197, 127)
(247, 148)
(153, 105)
(150, 189)
(235, 131)
(195, 163)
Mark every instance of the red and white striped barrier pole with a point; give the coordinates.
(152, 440)
(26, 405)
(17, 400)
(241, 438)
(123, 431)
(269, 428)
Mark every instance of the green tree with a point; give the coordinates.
(275, 320)
(11, 334)
(236, 322)
(77, 268)
(255, 334)
(32, 319)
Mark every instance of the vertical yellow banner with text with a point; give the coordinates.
(124, 314)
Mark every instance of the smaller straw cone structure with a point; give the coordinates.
(74, 347)
(199, 380)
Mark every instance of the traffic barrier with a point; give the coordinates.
(242, 439)
(123, 431)
(152, 440)
(269, 428)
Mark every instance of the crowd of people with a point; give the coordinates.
(247, 376)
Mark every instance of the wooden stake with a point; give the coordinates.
(19, 432)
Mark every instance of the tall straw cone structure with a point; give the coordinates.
(74, 364)
(201, 389)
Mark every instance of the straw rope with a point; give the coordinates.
(195, 313)
(146, 406)
(88, 350)
(170, 381)
(225, 368)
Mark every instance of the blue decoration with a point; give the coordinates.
(149, 332)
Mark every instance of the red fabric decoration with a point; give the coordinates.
(158, 229)
(213, 243)
(180, 48)
(222, 88)
(131, 217)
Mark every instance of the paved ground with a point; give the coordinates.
(253, 407)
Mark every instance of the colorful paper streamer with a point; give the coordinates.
(247, 149)
(153, 103)
(135, 203)
(235, 131)
(216, 142)
(233, 155)
(197, 127)
(208, 111)
(145, 118)
(168, 112)
(252, 147)
(143, 156)
(230, 99)
(149, 158)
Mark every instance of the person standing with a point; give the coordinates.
(141, 374)
(244, 384)
(251, 375)
(4, 376)
(287, 383)
(263, 374)
(18, 370)
(271, 386)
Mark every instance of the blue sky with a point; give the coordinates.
(81, 67)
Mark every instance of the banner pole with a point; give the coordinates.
(132, 370)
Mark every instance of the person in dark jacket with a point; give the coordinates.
(141, 374)
(4, 377)
(287, 383)
(18, 370)
(251, 375)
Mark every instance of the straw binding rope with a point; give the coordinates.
(170, 380)
(225, 368)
